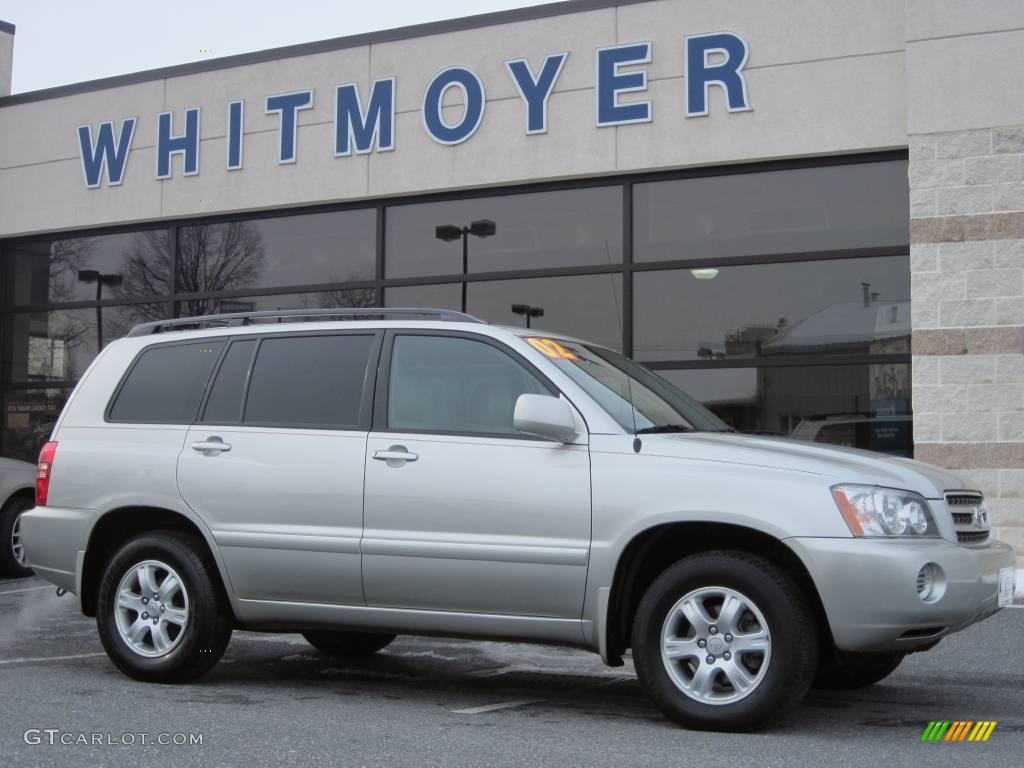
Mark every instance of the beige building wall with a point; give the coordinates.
(965, 116)
(803, 89)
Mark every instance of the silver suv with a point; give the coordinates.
(357, 474)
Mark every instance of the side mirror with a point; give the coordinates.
(545, 416)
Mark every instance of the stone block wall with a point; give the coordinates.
(967, 300)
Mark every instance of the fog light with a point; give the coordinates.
(931, 583)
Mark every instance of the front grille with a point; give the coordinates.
(964, 499)
(970, 516)
(971, 537)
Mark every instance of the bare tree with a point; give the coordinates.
(66, 258)
(211, 257)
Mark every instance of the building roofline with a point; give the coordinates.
(463, 23)
(6, 26)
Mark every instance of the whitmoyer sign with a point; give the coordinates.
(365, 122)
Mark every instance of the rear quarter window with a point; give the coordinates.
(165, 384)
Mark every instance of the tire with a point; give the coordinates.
(850, 671)
(11, 556)
(348, 643)
(773, 674)
(198, 633)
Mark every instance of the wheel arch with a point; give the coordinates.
(119, 525)
(654, 549)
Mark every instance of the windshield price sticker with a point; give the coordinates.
(551, 348)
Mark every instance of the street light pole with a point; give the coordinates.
(465, 264)
(95, 276)
(528, 311)
(451, 232)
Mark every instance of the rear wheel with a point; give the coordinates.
(724, 641)
(12, 553)
(849, 671)
(347, 643)
(161, 613)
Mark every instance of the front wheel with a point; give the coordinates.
(724, 641)
(337, 643)
(161, 613)
(850, 671)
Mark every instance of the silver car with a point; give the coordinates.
(357, 474)
(17, 495)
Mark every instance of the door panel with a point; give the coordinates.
(285, 507)
(477, 524)
(275, 466)
(461, 512)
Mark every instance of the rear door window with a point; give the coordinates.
(309, 381)
(165, 384)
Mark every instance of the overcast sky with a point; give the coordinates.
(68, 41)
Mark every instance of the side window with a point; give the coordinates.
(448, 384)
(309, 381)
(224, 405)
(166, 383)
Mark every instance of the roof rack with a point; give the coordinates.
(246, 318)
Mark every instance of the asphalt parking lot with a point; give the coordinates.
(273, 700)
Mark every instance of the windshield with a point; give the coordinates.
(636, 398)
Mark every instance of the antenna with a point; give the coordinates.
(637, 444)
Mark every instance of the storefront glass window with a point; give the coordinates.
(846, 306)
(291, 250)
(347, 299)
(569, 228)
(29, 417)
(59, 345)
(858, 406)
(589, 306)
(792, 211)
(125, 266)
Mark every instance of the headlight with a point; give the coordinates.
(873, 511)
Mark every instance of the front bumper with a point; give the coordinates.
(55, 540)
(868, 588)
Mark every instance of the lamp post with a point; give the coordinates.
(528, 311)
(450, 232)
(95, 276)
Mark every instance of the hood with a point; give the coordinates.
(840, 465)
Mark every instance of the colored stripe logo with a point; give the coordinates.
(958, 730)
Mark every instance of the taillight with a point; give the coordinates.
(43, 473)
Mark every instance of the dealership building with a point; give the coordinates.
(807, 214)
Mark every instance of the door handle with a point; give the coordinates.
(211, 446)
(395, 456)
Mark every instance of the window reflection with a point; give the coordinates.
(793, 211)
(29, 418)
(295, 250)
(334, 299)
(577, 227)
(848, 306)
(858, 406)
(589, 307)
(48, 271)
(59, 345)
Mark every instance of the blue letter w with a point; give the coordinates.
(105, 153)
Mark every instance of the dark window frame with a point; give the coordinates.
(383, 384)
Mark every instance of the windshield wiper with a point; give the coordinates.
(660, 428)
